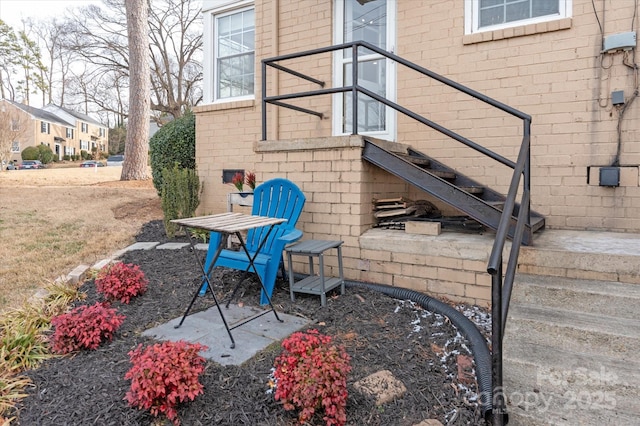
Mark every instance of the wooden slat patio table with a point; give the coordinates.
(228, 224)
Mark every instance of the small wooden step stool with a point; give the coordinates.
(313, 284)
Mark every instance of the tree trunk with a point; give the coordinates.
(136, 149)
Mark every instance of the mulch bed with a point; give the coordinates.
(420, 348)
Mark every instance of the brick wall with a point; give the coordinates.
(552, 71)
(340, 188)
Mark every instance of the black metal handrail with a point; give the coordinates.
(501, 290)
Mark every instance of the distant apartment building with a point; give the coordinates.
(66, 132)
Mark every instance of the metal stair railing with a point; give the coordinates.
(501, 287)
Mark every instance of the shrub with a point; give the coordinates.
(85, 327)
(174, 143)
(310, 374)
(45, 155)
(30, 153)
(121, 282)
(66, 157)
(180, 196)
(164, 375)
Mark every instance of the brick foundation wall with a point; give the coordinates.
(340, 188)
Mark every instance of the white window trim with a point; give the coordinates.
(391, 132)
(213, 10)
(471, 17)
(15, 143)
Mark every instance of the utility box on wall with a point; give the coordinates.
(609, 176)
(620, 41)
(613, 176)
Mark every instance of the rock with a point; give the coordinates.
(429, 422)
(381, 385)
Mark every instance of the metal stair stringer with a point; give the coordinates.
(473, 206)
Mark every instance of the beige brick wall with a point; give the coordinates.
(552, 71)
(339, 187)
(555, 74)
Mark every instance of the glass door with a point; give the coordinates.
(372, 21)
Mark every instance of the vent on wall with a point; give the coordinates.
(228, 174)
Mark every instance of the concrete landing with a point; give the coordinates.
(207, 328)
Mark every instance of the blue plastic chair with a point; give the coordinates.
(279, 198)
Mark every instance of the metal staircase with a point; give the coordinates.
(450, 186)
(508, 217)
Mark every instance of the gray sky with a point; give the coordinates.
(13, 11)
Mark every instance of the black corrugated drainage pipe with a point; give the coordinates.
(479, 348)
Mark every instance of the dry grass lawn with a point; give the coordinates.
(53, 220)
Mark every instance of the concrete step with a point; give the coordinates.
(618, 338)
(567, 408)
(593, 255)
(588, 296)
(571, 352)
(553, 369)
(562, 387)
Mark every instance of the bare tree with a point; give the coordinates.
(13, 126)
(136, 149)
(51, 34)
(175, 43)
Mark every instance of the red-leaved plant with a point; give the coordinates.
(310, 374)
(164, 375)
(250, 180)
(85, 327)
(119, 281)
(238, 181)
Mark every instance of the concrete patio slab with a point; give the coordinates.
(206, 327)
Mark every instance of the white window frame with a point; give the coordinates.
(45, 127)
(213, 9)
(70, 133)
(390, 133)
(84, 127)
(15, 146)
(471, 17)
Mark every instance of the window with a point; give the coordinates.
(102, 132)
(486, 15)
(15, 146)
(84, 127)
(15, 125)
(84, 145)
(44, 127)
(69, 133)
(234, 54)
(374, 22)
